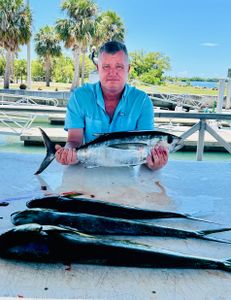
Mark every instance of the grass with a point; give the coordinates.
(168, 88)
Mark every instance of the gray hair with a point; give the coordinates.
(113, 47)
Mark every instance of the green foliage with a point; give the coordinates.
(63, 69)
(47, 42)
(89, 66)
(108, 26)
(149, 67)
(20, 69)
(15, 24)
(2, 65)
(37, 70)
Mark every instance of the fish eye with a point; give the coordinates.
(170, 139)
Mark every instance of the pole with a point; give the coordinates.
(228, 97)
(28, 59)
(220, 95)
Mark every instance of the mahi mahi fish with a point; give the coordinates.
(102, 208)
(99, 225)
(33, 242)
(125, 148)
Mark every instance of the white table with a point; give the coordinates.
(198, 188)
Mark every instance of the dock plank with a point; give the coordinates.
(33, 136)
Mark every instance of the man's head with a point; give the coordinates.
(113, 66)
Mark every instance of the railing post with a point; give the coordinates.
(220, 95)
(228, 96)
(200, 142)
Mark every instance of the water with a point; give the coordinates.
(9, 143)
(204, 84)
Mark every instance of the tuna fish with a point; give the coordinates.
(115, 149)
(33, 242)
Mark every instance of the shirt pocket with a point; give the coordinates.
(125, 123)
(93, 127)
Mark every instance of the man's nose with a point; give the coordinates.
(112, 70)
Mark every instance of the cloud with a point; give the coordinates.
(209, 44)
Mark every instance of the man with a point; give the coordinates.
(107, 106)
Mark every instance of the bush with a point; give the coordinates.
(22, 86)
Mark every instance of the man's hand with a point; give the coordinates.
(158, 157)
(66, 156)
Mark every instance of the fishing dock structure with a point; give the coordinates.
(201, 130)
(18, 112)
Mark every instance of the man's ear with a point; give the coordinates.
(129, 67)
(97, 67)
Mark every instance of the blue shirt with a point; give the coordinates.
(86, 110)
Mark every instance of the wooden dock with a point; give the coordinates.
(33, 136)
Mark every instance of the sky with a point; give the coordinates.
(194, 34)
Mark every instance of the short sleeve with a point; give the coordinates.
(74, 115)
(146, 119)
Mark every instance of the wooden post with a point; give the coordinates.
(228, 96)
(220, 95)
(200, 142)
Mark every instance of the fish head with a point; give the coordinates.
(174, 143)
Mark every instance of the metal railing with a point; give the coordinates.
(15, 124)
(12, 99)
(201, 126)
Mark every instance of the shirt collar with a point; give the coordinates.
(99, 94)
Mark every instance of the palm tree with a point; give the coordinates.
(76, 31)
(47, 46)
(108, 27)
(15, 30)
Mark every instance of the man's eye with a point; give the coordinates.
(119, 68)
(106, 68)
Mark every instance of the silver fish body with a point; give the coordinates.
(115, 149)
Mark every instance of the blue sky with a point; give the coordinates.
(195, 35)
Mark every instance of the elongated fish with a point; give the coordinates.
(33, 242)
(102, 208)
(92, 224)
(115, 149)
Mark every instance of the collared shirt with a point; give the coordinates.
(86, 109)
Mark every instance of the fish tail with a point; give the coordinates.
(204, 233)
(215, 240)
(50, 155)
(226, 265)
(210, 231)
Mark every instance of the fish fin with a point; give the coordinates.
(216, 240)
(50, 155)
(128, 146)
(210, 231)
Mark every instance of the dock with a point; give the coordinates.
(33, 136)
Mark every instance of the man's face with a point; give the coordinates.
(113, 71)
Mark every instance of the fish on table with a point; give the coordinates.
(125, 148)
(101, 225)
(103, 208)
(44, 243)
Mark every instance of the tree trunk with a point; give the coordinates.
(76, 54)
(12, 66)
(83, 66)
(47, 70)
(7, 70)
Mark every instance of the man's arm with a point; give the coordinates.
(68, 155)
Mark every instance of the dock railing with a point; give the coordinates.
(27, 100)
(201, 126)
